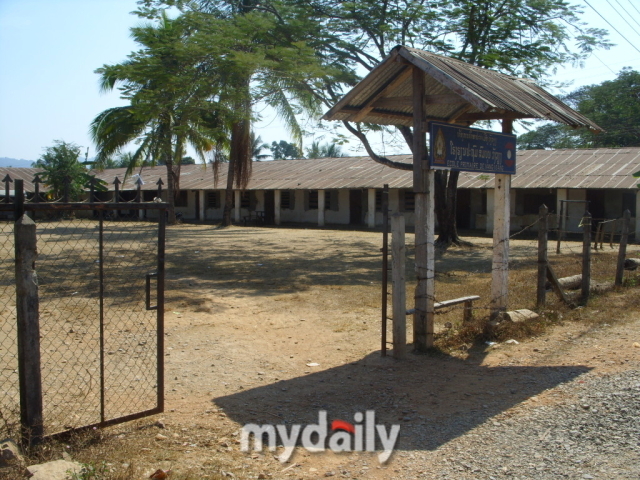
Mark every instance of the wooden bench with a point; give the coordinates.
(253, 217)
(468, 305)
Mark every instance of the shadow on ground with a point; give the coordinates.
(434, 398)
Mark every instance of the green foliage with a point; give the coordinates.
(614, 105)
(549, 136)
(91, 471)
(257, 147)
(284, 150)
(172, 98)
(62, 170)
(325, 150)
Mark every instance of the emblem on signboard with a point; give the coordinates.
(511, 160)
(440, 149)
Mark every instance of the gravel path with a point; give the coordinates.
(592, 433)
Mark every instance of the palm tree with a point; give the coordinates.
(172, 105)
(325, 150)
(257, 147)
(265, 59)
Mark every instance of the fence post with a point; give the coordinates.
(18, 199)
(559, 226)
(385, 267)
(613, 231)
(598, 230)
(543, 229)
(399, 300)
(586, 256)
(622, 251)
(27, 315)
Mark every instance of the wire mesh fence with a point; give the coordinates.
(9, 387)
(99, 341)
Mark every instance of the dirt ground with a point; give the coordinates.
(271, 325)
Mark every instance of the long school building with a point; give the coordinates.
(348, 191)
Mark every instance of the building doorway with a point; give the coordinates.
(355, 207)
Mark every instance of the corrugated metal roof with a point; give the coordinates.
(580, 168)
(15, 173)
(456, 91)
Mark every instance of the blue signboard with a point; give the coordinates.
(471, 150)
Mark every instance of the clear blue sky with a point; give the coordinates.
(49, 50)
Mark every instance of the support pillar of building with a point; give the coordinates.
(236, 210)
(202, 204)
(371, 205)
(321, 205)
(277, 202)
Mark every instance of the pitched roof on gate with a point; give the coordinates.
(455, 91)
(575, 168)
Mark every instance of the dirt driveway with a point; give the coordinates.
(273, 325)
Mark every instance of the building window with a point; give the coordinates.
(182, 200)
(213, 199)
(331, 200)
(245, 199)
(313, 200)
(378, 200)
(409, 201)
(287, 200)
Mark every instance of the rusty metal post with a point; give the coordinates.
(160, 310)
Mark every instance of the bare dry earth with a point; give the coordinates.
(248, 309)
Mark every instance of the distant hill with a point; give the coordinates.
(14, 162)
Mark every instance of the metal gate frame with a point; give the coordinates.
(29, 368)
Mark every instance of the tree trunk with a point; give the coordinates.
(228, 196)
(239, 171)
(171, 196)
(446, 206)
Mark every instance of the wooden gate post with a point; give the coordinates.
(399, 298)
(543, 229)
(622, 251)
(423, 187)
(586, 256)
(27, 313)
(501, 229)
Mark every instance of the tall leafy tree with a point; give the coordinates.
(62, 170)
(614, 105)
(520, 37)
(169, 84)
(284, 150)
(267, 58)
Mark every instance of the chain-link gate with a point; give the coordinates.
(101, 323)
